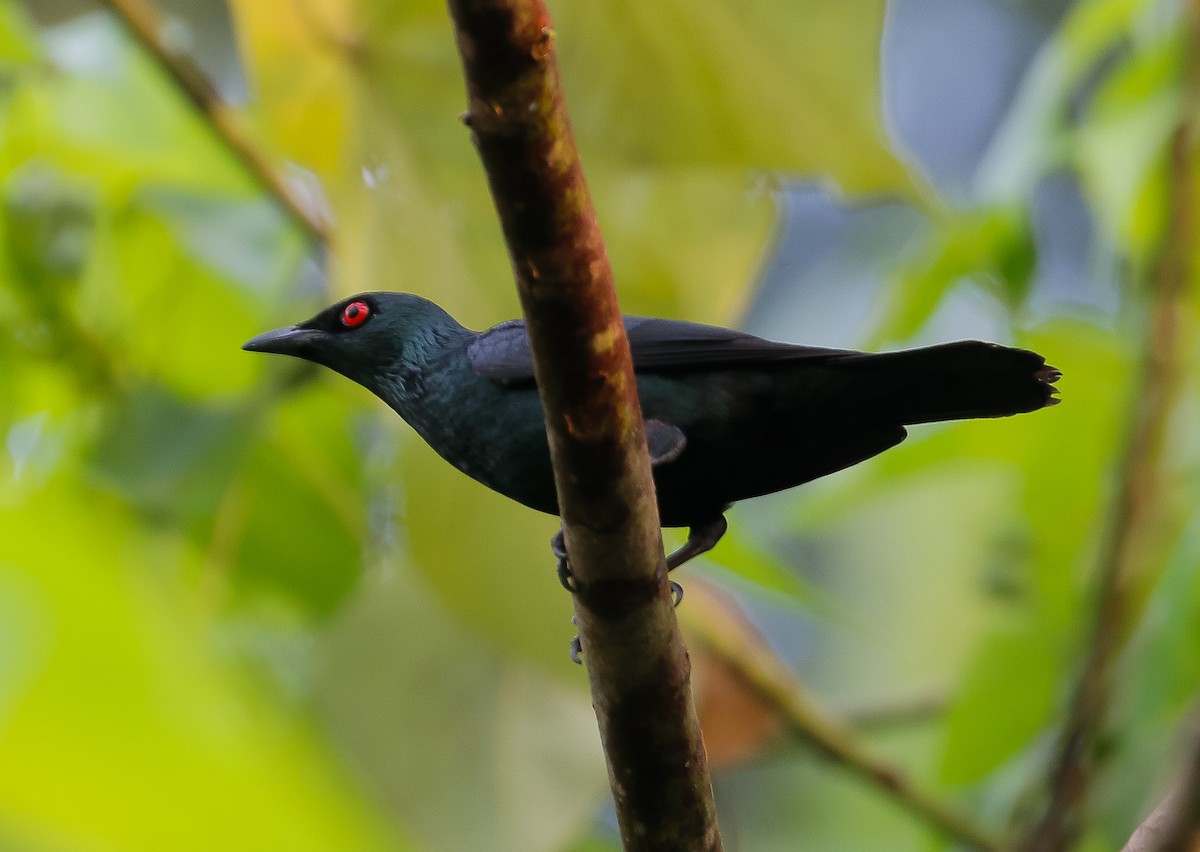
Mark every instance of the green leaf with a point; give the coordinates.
(112, 687)
(245, 240)
(1035, 139)
(435, 718)
(18, 42)
(686, 107)
(991, 244)
(754, 85)
(170, 459)
(1006, 699)
(758, 569)
(49, 226)
(293, 528)
(684, 243)
(1123, 144)
(486, 558)
(110, 117)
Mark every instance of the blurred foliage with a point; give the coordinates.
(243, 607)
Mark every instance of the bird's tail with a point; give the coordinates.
(954, 381)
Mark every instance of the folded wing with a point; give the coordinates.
(658, 345)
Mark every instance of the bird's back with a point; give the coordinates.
(760, 416)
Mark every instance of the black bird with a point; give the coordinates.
(728, 415)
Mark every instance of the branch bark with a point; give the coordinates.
(637, 666)
(1137, 506)
(144, 24)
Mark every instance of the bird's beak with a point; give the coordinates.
(293, 340)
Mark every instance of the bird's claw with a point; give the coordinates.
(577, 646)
(558, 547)
(563, 568)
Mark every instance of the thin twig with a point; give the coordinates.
(1137, 505)
(913, 710)
(637, 666)
(144, 24)
(761, 670)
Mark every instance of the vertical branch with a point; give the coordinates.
(637, 665)
(1136, 509)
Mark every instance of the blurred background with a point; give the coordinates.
(242, 606)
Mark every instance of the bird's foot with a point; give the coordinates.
(558, 546)
(701, 539)
(576, 647)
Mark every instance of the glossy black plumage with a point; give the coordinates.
(755, 416)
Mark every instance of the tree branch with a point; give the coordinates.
(912, 710)
(1136, 509)
(143, 23)
(761, 670)
(637, 665)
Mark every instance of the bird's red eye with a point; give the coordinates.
(355, 314)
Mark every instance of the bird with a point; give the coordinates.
(728, 415)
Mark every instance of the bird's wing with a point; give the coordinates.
(658, 345)
(665, 441)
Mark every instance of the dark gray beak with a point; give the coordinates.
(292, 340)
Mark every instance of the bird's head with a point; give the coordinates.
(370, 338)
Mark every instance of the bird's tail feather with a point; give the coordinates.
(955, 381)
